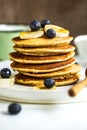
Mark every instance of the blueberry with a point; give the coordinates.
(76, 63)
(44, 22)
(14, 108)
(5, 73)
(50, 33)
(35, 25)
(49, 83)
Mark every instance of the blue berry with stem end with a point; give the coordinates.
(35, 25)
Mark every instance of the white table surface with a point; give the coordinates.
(71, 116)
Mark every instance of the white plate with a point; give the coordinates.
(20, 93)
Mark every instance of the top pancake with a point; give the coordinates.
(41, 42)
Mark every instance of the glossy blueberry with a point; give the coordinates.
(35, 25)
(14, 108)
(5, 73)
(44, 22)
(50, 33)
(49, 82)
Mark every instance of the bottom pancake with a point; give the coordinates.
(26, 80)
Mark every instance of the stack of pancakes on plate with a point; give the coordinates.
(37, 57)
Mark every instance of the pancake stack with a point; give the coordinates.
(37, 57)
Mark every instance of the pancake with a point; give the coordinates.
(26, 80)
(60, 74)
(21, 58)
(53, 77)
(45, 51)
(43, 68)
(41, 42)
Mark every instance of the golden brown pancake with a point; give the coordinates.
(43, 68)
(26, 80)
(41, 42)
(54, 77)
(21, 58)
(60, 74)
(44, 51)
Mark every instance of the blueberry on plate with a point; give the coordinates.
(5, 73)
(35, 25)
(49, 82)
(14, 108)
(44, 22)
(50, 33)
